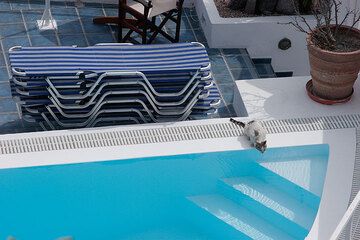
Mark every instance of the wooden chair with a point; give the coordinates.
(143, 15)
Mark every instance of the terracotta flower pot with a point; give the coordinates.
(333, 73)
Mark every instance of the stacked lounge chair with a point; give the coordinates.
(73, 87)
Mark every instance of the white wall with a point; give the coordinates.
(259, 35)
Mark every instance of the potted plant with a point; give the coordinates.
(334, 51)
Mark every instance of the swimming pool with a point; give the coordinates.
(237, 194)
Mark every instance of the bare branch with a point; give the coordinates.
(297, 26)
(326, 34)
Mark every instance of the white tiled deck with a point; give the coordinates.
(284, 98)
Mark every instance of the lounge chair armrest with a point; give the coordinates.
(215, 103)
(16, 72)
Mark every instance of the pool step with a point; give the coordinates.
(288, 213)
(205, 222)
(240, 218)
(285, 185)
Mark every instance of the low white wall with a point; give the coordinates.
(260, 35)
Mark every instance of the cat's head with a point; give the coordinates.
(261, 146)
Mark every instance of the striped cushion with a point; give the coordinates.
(50, 61)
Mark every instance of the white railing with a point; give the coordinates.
(347, 218)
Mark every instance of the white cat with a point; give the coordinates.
(255, 132)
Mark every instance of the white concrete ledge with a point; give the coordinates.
(283, 98)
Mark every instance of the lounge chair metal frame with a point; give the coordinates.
(200, 94)
(71, 99)
(102, 102)
(124, 74)
(95, 120)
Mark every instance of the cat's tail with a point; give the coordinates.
(241, 124)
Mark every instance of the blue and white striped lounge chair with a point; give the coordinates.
(117, 80)
(205, 105)
(118, 103)
(54, 120)
(67, 87)
(68, 61)
(200, 110)
(167, 104)
(197, 101)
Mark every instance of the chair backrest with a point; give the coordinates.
(161, 6)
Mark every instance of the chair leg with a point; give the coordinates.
(178, 25)
(127, 35)
(153, 22)
(175, 16)
(122, 16)
(144, 34)
(119, 35)
(158, 29)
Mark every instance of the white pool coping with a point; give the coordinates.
(337, 187)
(279, 99)
(283, 98)
(289, 116)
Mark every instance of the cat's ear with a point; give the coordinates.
(263, 143)
(256, 133)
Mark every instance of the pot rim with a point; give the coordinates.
(311, 44)
(314, 97)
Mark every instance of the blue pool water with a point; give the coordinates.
(218, 195)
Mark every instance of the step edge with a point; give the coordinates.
(270, 209)
(234, 203)
(270, 174)
(222, 224)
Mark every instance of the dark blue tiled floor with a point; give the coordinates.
(18, 27)
(44, 40)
